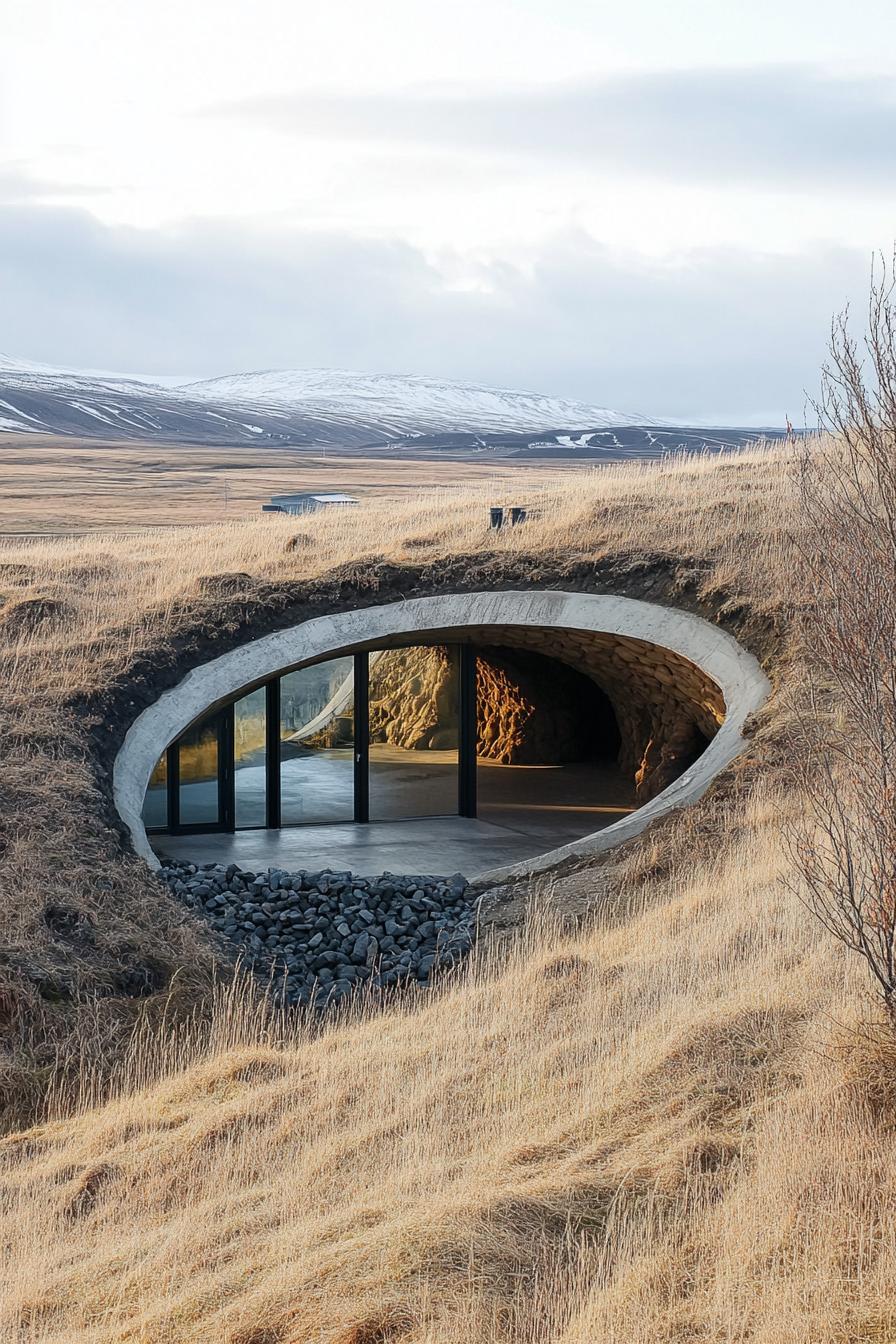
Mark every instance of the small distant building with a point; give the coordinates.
(307, 502)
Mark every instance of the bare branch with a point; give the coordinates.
(845, 848)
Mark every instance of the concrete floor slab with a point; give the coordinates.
(438, 845)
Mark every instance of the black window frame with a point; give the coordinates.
(362, 738)
(224, 781)
(226, 777)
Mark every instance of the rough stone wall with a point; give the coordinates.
(413, 698)
(666, 708)
(537, 711)
(530, 712)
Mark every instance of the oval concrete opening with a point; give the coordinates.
(662, 692)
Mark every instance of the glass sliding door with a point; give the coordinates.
(155, 803)
(414, 732)
(317, 740)
(249, 759)
(199, 754)
(379, 736)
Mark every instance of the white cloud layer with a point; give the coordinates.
(722, 334)
(782, 123)
(652, 206)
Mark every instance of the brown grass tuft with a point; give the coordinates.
(298, 542)
(24, 616)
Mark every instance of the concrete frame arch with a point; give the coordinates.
(735, 672)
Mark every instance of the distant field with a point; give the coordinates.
(64, 486)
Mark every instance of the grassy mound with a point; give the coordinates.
(140, 610)
(648, 1110)
(648, 1127)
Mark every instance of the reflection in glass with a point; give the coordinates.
(414, 732)
(155, 804)
(198, 749)
(249, 728)
(317, 706)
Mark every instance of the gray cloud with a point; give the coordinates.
(19, 186)
(790, 124)
(725, 333)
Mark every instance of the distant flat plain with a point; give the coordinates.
(66, 486)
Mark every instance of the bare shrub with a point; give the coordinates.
(299, 541)
(846, 846)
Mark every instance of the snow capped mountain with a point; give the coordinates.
(404, 404)
(55, 375)
(41, 399)
(24, 366)
(319, 408)
(299, 406)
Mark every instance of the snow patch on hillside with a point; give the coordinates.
(402, 403)
(308, 407)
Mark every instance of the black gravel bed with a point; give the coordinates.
(320, 935)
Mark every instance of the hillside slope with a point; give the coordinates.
(39, 399)
(633, 1133)
(401, 404)
(664, 1112)
(332, 407)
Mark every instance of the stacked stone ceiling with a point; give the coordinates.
(627, 669)
(666, 708)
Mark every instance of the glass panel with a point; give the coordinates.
(547, 744)
(155, 804)
(198, 750)
(317, 737)
(414, 732)
(249, 752)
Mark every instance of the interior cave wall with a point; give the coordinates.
(666, 708)
(413, 697)
(533, 710)
(552, 697)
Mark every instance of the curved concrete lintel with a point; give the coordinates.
(736, 672)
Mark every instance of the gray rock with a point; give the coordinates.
(321, 933)
(359, 951)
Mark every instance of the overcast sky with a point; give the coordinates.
(651, 206)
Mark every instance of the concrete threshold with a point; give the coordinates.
(436, 845)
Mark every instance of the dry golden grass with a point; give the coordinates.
(670, 1124)
(729, 518)
(64, 486)
(648, 1130)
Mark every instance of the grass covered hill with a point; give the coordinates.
(660, 1108)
